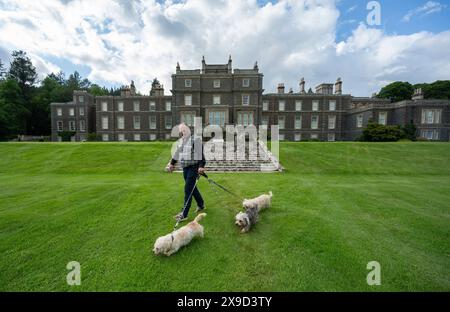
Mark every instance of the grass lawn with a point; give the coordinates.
(335, 208)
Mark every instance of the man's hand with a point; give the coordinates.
(201, 170)
(171, 168)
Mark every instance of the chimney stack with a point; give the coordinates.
(338, 87)
(302, 86)
(281, 88)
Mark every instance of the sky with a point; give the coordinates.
(114, 42)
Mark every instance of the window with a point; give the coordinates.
(82, 126)
(71, 111)
(104, 106)
(137, 137)
(188, 83)
(332, 105)
(136, 106)
(105, 137)
(121, 137)
(188, 119)
(298, 105)
(431, 116)
(217, 118)
(152, 106)
(281, 122)
(188, 100)
(315, 106)
(331, 137)
(359, 121)
(216, 99)
(265, 105)
(382, 116)
(265, 120)
(120, 122)
(81, 99)
(281, 137)
(137, 122)
(297, 137)
(298, 121)
(216, 83)
(105, 122)
(331, 122)
(314, 136)
(245, 118)
(120, 106)
(168, 122)
(167, 136)
(314, 122)
(430, 134)
(82, 138)
(59, 125)
(152, 121)
(281, 105)
(59, 111)
(152, 137)
(168, 106)
(81, 111)
(246, 82)
(245, 99)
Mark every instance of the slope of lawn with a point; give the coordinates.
(336, 207)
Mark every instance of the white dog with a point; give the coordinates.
(170, 243)
(260, 202)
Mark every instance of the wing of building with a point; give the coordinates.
(222, 95)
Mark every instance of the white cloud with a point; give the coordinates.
(428, 8)
(120, 41)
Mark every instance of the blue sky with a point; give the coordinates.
(393, 12)
(114, 41)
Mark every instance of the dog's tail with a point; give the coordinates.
(270, 193)
(199, 217)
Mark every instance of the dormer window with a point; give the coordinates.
(246, 82)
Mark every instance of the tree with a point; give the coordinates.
(96, 90)
(437, 90)
(13, 113)
(22, 70)
(397, 91)
(75, 82)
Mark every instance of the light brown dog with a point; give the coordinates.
(170, 243)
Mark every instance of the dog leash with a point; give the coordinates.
(185, 204)
(217, 184)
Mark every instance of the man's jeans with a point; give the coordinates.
(190, 176)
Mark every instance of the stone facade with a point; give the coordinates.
(226, 96)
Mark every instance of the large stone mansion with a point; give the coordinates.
(222, 95)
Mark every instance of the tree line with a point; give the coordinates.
(25, 101)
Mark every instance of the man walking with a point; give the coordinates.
(191, 157)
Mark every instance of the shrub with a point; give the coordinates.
(410, 131)
(92, 137)
(379, 133)
(66, 135)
